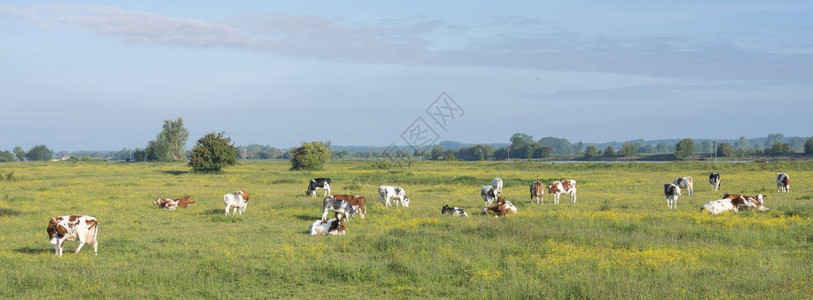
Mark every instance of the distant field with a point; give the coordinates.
(618, 241)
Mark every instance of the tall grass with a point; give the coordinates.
(618, 241)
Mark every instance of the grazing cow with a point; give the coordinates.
(328, 227)
(488, 194)
(497, 184)
(185, 201)
(339, 206)
(358, 203)
(237, 200)
(685, 183)
(537, 190)
(318, 184)
(393, 192)
(672, 191)
(717, 207)
(564, 186)
(166, 203)
(757, 201)
(782, 183)
(70, 228)
(454, 211)
(714, 180)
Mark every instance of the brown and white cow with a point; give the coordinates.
(756, 202)
(502, 208)
(185, 201)
(237, 200)
(716, 207)
(165, 203)
(358, 203)
(685, 183)
(672, 191)
(560, 187)
(537, 191)
(71, 227)
(782, 183)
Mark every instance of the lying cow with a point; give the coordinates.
(237, 200)
(488, 193)
(185, 201)
(339, 206)
(502, 208)
(358, 203)
(328, 227)
(756, 202)
(717, 207)
(454, 211)
(393, 192)
(672, 192)
(318, 184)
(60, 229)
(537, 191)
(165, 203)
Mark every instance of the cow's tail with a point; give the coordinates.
(96, 232)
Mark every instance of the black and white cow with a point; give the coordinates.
(318, 184)
(714, 180)
(337, 205)
(398, 195)
(454, 211)
(782, 183)
(672, 192)
(488, 194)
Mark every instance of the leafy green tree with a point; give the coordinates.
(591, 151)
(809, 146)
(213, 152)
(773, 139)
(779, 148)
(559, 145)
(684, 149)
(437, 152)
(610, 151)
(724, 150)
(7, 156)
(169, 145)
(743, 144)
(139, 155)
(627, 149)
(310, 156)
(706, 147)
(542, 152)
(519, 140)
(19, 154)
(39, 152)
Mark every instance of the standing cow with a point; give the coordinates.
(393, 192)
(318, 184)
(714, 180)
(497, 184)
(537, 190)
(685, 183)
(237, 200)
(672, 191)
(488, 194)
(85, 228)
(337, 205)
(560, 187)
(782, 183)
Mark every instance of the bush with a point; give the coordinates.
(213, 152)
(809, 146)
(310, 156)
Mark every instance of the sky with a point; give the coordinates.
(105, 75)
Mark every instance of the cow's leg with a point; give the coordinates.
(57, 248)
(81, 244)
(324, 215)
(573, 197)
(227, 210)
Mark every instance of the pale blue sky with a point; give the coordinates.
(103, 75)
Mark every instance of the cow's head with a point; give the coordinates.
(406, 201)
(243, 194)
(57, 230)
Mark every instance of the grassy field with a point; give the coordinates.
(618, 241)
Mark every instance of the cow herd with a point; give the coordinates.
(85, 228)
(729, 202)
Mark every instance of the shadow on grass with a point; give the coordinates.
(307, 218)
(35, 251)
(8, 212)
(175, 172)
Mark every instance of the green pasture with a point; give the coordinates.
(618, 241)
